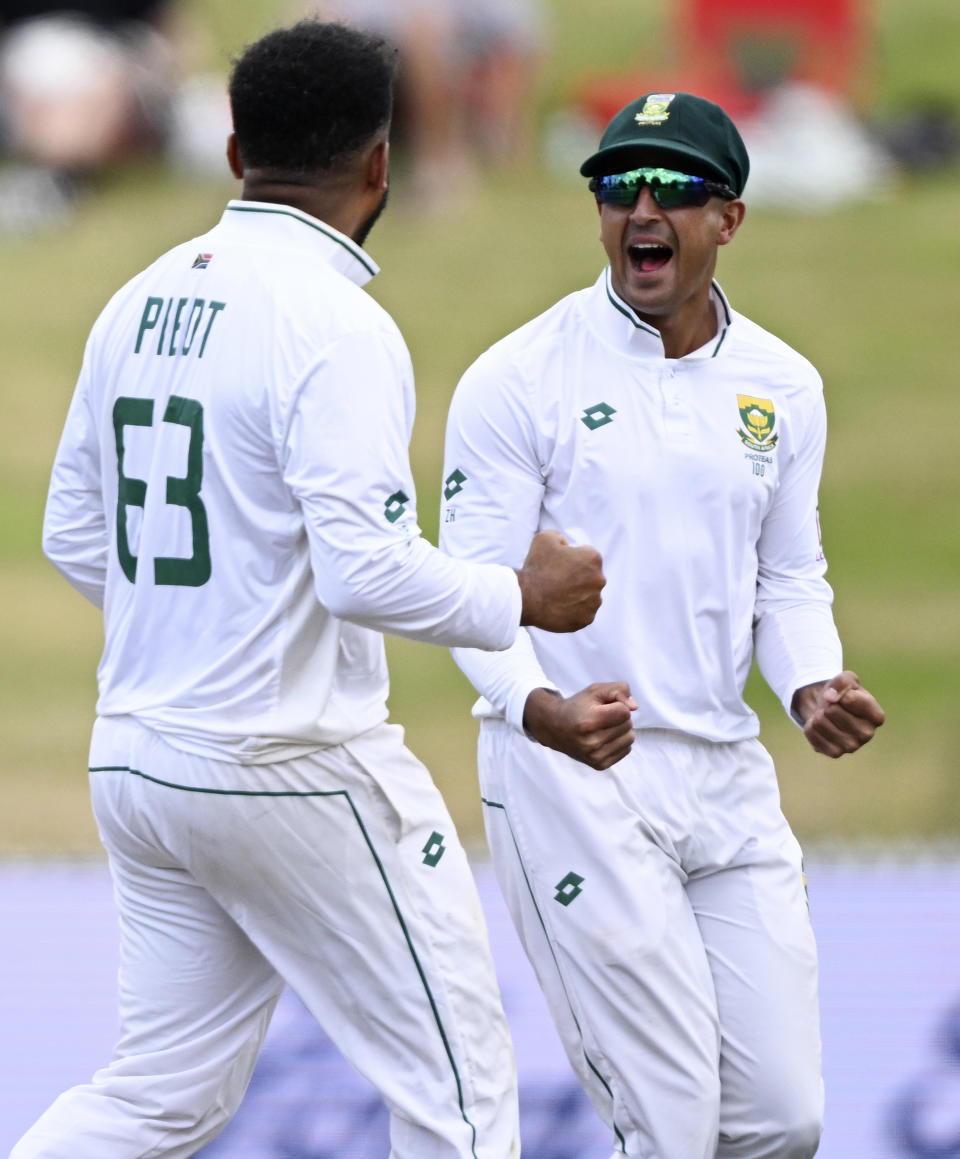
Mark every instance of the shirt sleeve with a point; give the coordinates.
(75, 534)
(345, 459)
(795, 637)
(492, 497)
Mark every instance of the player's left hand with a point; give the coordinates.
(592, 726)
(839, 715)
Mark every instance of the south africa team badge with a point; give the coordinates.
(758, 422)
(656, 109)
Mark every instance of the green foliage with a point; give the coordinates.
(868, 293)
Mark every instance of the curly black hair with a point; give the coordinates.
(307, 98)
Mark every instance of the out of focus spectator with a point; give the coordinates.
(797, 76)
(464, 93)
(503, 44)
(80, 86)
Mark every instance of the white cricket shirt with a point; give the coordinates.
(233, 487)
(696, 478)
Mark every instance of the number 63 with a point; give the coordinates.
(181, 492)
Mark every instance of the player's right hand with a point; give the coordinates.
(560, 584)
(839, 715)
(593, 726)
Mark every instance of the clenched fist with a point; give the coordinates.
(560, 584)
(593, 726)
(839, 716)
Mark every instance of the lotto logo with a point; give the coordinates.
(598, 415)
(453, 484)
(395, 506)
(569, 889)
(433, 850)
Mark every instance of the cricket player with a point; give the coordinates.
(233, 488)
(633, 816)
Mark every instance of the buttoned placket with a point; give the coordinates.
(677, 419)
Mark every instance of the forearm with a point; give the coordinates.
(805, 701)
(796, 646)
(86, 574)
(75, 534)
(408, 588)
(505, 679)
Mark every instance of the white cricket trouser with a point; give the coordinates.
(339, 873)
(663, 907)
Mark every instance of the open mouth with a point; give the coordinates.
(648, 258)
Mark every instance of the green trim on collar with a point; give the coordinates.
(351, 248)
(626, 311)
(715, 286)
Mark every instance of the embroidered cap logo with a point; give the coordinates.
(656, 109)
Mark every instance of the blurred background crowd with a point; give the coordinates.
(87, 84)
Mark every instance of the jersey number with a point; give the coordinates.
(181, 492)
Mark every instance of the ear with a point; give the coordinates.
(233, 157)
(378, 166)
(731, 218)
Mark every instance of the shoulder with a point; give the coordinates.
(521, 357)
(130, 301)
(751, 343)
(317, 305)
(504, 400)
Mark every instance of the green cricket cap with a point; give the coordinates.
(672, 129)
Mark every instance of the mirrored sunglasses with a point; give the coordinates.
(669, 188)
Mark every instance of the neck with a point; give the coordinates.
(686, 329)
(329, 206)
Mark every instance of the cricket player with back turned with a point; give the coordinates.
(233, 488)
(632, 813)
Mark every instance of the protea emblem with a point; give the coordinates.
(656, 109)
(758, 421)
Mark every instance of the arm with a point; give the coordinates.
(794, 634)
(345, 460)
(75, 535)
(493, 491)
(798, 648)
(493, 495)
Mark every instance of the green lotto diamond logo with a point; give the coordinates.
(453, 484)
(598, 416)
(395, 506)
(433, 850)
(569, 889)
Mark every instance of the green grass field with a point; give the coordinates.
(867, 292)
